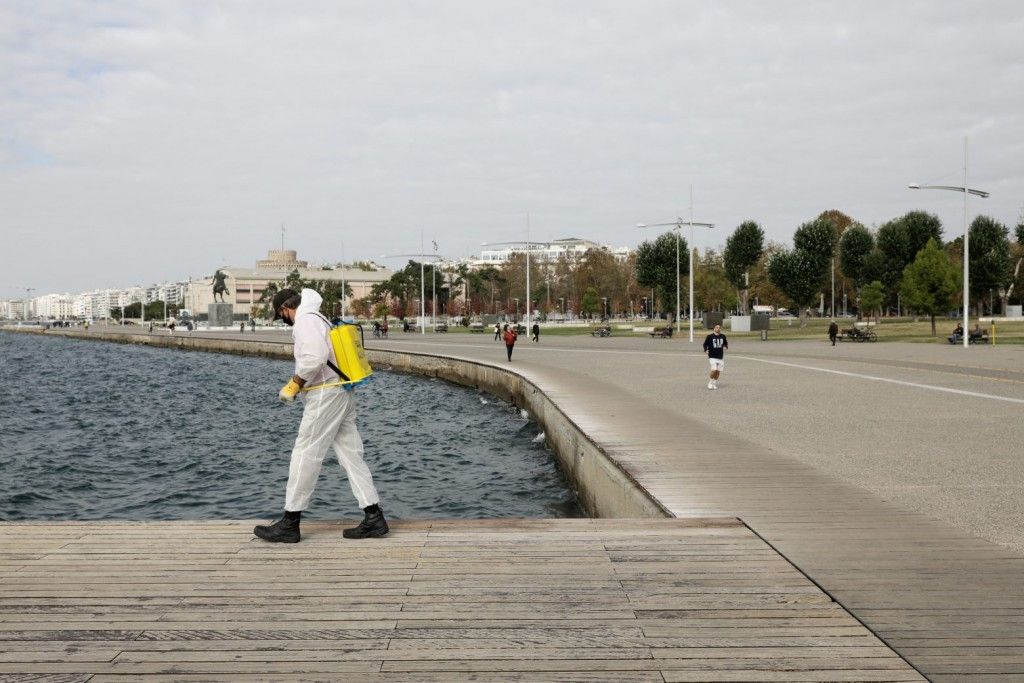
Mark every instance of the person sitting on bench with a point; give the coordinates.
(958, 334)
(977, 334)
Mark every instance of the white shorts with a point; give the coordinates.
(717, 363)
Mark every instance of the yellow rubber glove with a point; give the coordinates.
(289, 391)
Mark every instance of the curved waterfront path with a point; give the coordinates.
(878, 470)
(889, 474)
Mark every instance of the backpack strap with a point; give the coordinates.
(331, 365)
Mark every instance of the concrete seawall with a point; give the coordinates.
(604, 488)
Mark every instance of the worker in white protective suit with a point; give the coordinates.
(328, 419)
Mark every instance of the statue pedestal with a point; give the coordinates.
(220, 315)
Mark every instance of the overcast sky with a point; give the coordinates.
(148, 141)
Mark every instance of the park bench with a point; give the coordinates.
(603, 331)
(858, 334)
(973, 338)
(476, 326)
(441, 327)
(662, 332)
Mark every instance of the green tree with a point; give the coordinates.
(330, 290)
(839, 220)
(332, 293)
(990, 263)
(818, 239)
(591, 302)
(1018, 249)
(403, 286)
(854, 247)
(761, 288)
(872, 296)
(901, 239)
(656, 266)
(930, 282)
(712, 290)
(798, 274)
(743, 249)
(801, 272)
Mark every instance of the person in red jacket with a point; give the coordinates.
(510, 337)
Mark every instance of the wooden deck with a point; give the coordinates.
(551, 600)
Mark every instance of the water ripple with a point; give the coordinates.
(107, 431)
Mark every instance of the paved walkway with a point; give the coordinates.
(808, 457)
(503, 600)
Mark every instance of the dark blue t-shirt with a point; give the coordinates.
(715, 345)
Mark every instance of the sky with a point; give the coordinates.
(151, 141)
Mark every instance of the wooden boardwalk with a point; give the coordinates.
(549, 600)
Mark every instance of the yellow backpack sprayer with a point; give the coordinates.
(350, 361)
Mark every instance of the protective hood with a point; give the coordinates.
(310, 302)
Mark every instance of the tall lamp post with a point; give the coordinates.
(423, 278)
(966, 191)
(526, 246)
(678, 225)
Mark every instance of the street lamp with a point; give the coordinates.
(527, 246)
(604, 307)
(561, 303)
(677, 225)
(423, 296)
(966, 191)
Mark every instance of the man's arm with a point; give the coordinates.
(311, 349)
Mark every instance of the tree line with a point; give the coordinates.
(904, 264)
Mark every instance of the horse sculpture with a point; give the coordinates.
(218, 286)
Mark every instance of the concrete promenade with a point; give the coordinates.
(889, 474)
(884, 471)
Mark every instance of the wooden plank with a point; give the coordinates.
(495, 600)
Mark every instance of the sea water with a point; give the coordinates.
(93, 430)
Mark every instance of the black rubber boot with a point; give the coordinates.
(284, 530)
(373, 525)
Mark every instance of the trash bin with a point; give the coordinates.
(764, 335)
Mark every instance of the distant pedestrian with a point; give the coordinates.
(833, 332)
(536, 332)
(497, 331)
(170, 326)
(241, 327)
(510, 341)
(252, 324)
(715, 345)
(151, 328)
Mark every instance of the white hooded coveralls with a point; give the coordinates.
(329, 416)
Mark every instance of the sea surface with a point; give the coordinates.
(96, 430)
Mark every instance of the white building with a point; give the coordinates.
(246, 285)
(547, 251)
(15, 309)
(96, 305)
(54, 306)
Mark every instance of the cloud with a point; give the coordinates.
(156, 140)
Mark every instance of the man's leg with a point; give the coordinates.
(316, 431)
(348, 445)
(321, 419)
